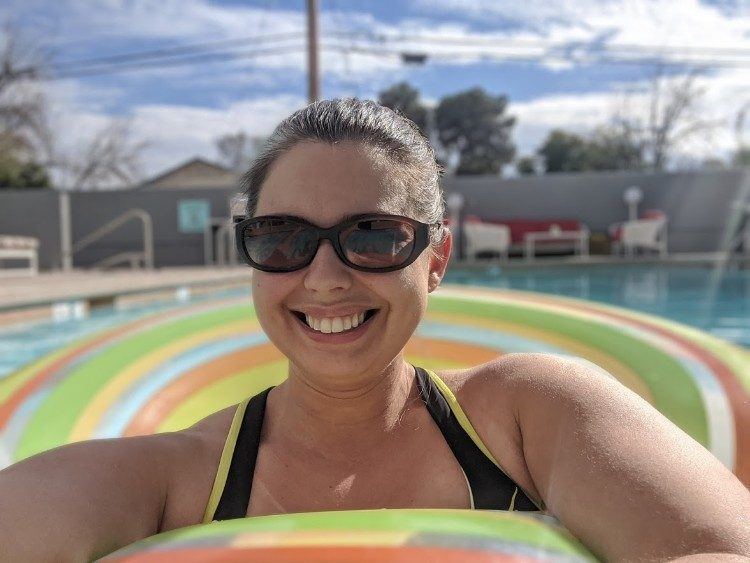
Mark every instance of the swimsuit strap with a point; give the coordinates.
(490, 487)
(236, 494)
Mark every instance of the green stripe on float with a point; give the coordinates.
(734, 357)
(53, 421)
(675, 395)
(502, 526)
(224, 393)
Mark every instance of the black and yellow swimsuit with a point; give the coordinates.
(489, 487)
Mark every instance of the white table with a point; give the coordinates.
(579, 238)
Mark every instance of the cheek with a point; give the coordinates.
(268, 292)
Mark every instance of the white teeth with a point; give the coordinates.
(335, 324)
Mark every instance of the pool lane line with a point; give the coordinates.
(738, 452)
(92, 413)
(193, 381)
(30, 378)
(681, 403)
(52, 423)
(564, 344)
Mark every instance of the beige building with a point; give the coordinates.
(195, 173)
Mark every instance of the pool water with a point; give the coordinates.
(685, 294)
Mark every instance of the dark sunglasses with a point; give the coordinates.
(369, 243)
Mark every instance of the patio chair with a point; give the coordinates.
(648, 233)
(486, 237)
(19, 248)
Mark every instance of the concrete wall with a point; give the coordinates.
(697, 203)
(35, 213)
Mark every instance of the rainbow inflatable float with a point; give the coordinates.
(167, 370)
(365, 536)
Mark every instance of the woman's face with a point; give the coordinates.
(323, 184)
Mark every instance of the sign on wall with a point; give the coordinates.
(193, 215)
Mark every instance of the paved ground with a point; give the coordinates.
(48, 288)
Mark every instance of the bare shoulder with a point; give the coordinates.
(613, 469)
(194, 461)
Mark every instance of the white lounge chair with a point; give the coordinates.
(19, 248)
(642, 234)
(486, 237)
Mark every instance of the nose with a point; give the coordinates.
(327, 272)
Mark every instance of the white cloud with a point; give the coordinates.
(176, 133)
(724, 95)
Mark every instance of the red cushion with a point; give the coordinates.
(519, 227)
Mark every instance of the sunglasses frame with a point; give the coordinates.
(332, 234)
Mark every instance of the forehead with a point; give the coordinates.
(323, 183)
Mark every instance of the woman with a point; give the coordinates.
(344, 229)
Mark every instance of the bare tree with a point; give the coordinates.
(110, 158)
(237, 149)
(673, 117)
(24, 126)
(26, 134)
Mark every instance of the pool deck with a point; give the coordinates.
(48, 288)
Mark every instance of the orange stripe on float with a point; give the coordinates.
(450, 350)
(162, 403)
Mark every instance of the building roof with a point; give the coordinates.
(194, 173)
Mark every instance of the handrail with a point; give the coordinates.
(148, 234)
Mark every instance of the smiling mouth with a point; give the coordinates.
(336, 325)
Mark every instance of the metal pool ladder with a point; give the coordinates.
(146, 257)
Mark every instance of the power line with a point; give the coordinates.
(179, 50)
(206, 57)
(509, 51)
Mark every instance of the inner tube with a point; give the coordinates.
(365, 536)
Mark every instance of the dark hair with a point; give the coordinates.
(362, 121)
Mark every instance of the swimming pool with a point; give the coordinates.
(681, 293)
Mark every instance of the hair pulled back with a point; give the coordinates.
(360, 121)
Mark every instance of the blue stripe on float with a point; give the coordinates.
(135, 397)
(481, 336)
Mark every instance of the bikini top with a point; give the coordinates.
(489, 487)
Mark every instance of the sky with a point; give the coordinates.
(546, 57)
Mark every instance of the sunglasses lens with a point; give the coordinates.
(279, 244)
(378, 243)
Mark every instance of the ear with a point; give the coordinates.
(439, 258)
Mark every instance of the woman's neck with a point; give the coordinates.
(362, 416)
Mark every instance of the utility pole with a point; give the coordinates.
(313, 85)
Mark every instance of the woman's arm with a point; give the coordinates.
(619, 475)
(81, 501)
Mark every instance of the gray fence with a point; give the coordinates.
(697, 203)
